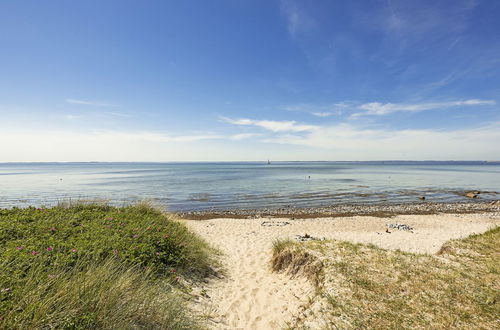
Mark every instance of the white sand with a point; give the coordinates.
(252, 297)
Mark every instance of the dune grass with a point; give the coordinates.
(92, 265)
(362, 286)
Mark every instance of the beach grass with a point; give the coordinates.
(362, 286)
(91, 265)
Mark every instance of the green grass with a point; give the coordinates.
(362, 286)
(96, 266)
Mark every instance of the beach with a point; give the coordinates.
(250, 296)
(238, 211)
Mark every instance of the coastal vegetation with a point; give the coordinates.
(362, 286)
(91, 265)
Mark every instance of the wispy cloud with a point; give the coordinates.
(413, 21)
(72, 117)
(272, 125)
(319, 110)
(90, 103)
(377, 108)
(118, 114)
(298, 20)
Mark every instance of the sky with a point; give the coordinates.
(249, 80)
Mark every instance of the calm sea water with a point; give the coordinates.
(205, 186)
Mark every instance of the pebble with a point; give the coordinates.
(386, 210)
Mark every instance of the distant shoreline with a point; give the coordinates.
(348, 210)
(264, 162)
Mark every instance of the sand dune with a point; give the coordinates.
(250, 296)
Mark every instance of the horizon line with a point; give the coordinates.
(249, 161)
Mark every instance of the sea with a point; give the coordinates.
(246, 185)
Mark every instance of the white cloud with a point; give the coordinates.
(322, 114)
(346, 142)
(377, 108)
(91, 103)
(107, 145)
(338, 142)
(243, 136)
(272, 125)
(191, 138)
(65, 145)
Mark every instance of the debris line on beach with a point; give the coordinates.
(400, 226)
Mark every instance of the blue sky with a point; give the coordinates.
(249, 80)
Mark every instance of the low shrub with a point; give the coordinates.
(45, 253)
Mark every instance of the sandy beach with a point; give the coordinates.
(250, 296)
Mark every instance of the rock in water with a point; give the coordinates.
(471, 194)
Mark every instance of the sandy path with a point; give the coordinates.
(250, 296)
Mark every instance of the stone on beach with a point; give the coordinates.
(471, 194)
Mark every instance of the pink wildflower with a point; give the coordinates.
(50, 248)
(35, 253)
(20, 248)
(73, 250)
(157, 253)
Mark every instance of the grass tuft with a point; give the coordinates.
(291, 258)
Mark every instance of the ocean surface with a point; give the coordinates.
(219, 186)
